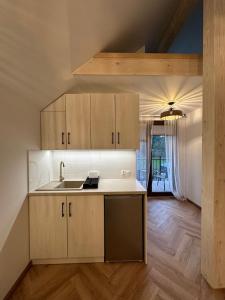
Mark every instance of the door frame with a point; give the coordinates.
(150, 179)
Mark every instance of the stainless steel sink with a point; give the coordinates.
(70, 185)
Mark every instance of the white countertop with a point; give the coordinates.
(105, 186)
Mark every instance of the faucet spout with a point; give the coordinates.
(62, 165)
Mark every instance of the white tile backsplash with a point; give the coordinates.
(39, 168)
(44, 165)
(108, 162)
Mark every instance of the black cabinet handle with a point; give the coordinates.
(69, 138)
(112, 137)
(63, 138)
(63, 214)
(70, 213)
(118, 138)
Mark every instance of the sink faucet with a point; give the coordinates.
(62, 165)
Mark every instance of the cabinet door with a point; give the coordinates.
(127, 121)
(85, 226)
(78, 113)
(102, 121)
(53, 130)
(48, 227)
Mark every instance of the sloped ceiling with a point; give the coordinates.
(35, 50)
(115, 25)
(42, 41)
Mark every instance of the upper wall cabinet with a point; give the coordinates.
(103, 123)
(91, 121)
(53, 128)
(78, 111)
(127, 121)
(53, 125)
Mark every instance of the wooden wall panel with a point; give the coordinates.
(213, 187)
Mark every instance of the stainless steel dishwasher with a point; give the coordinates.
(124, 228)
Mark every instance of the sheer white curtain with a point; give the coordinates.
(144, 153)
(175, 154)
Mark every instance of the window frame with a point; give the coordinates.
(149, 188)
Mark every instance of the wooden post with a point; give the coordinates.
(213, 188)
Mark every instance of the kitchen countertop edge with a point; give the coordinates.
(116, 187)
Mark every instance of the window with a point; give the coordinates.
(157, 181)
(141, 163)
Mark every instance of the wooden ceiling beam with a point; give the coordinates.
(177, 21)
(142, 64)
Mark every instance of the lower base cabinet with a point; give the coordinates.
(64, 227)
(48, 227)
(86, 226)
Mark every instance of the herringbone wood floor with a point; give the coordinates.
(173, 270)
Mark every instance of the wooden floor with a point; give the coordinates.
(173, 270)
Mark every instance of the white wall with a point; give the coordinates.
(14, 255)
(194, 156)
(19, 131)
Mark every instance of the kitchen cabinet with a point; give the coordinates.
(86, 226)
(48, 227)
(68, 129)
(53, 130)
(67, 227)
(78, 110)
(103, 121)
(95, 121)
(127, 121)
(115, 121)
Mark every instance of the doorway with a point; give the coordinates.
(158, 179)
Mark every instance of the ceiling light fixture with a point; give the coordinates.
(171, 114)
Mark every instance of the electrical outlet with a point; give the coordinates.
(122, 173)
(125, 173)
